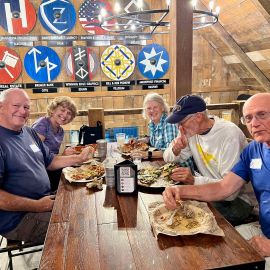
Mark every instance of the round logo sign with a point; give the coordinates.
(117, 62)
(10, 65)
(17, 17)
(42, 64)
(153, 61)
(81, 63)
(89, 13)
(57, 16)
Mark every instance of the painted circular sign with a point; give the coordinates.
(81, 63)
(10, 65)
(57, 16)
(153, 61)
(117, 62)
(89, 15)
(42, 64)
(17, 17)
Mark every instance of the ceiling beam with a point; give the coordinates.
(245, 60)
(181, 34)
(264, 7)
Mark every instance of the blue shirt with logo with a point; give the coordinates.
(254, 166)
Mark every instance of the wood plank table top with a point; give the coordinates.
(102, 230)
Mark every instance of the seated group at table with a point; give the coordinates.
(185, 136)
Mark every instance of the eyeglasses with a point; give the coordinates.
(258, 116)
(185, 119)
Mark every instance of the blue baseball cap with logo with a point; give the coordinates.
(185, 106)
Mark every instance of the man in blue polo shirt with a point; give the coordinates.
(254, 166)
(25, 201)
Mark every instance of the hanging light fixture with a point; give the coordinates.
(204, 18)
(147, 21)
(141, 21)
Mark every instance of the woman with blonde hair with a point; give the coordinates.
(60, 111)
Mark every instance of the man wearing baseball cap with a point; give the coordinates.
(215, 145)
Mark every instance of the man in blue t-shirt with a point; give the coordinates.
(25, 200)
(254, 166)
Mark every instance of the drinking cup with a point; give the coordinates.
(120, 138)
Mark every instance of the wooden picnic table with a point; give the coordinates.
(102, 230)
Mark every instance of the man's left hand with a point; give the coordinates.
(183, 174)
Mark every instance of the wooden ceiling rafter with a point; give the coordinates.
(264, 7)
(237, 50)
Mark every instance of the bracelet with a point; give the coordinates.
(150, 155)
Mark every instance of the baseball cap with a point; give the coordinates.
(186, 105)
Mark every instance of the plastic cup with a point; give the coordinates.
(120, 138)
(137, 160)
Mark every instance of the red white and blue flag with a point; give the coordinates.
(89, 15)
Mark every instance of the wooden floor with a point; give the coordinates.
(23, 262)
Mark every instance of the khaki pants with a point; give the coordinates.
(32, 228)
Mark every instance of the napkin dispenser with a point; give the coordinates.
(125, 174)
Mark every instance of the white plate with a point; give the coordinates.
(68, 170)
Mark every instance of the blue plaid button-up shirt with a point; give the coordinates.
(162, 134)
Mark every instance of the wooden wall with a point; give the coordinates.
(100, 98)
(212, 77)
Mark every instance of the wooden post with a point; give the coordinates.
(181, 34)
(94, 115)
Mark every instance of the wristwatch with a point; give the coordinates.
(150, 155)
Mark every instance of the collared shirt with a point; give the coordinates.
(162, 134)
(254, 166)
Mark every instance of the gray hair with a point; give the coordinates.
(157, 98)
(4, 94)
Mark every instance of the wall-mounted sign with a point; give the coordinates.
(43, 85)
(17, 17)
(44, 90)
(7, 86)
(118, 88)
(57, 16)
(10, 65)
(153, 61)
(81, 63)
(88, 15)
(42, 64)
(82, 89)
(117, 62)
